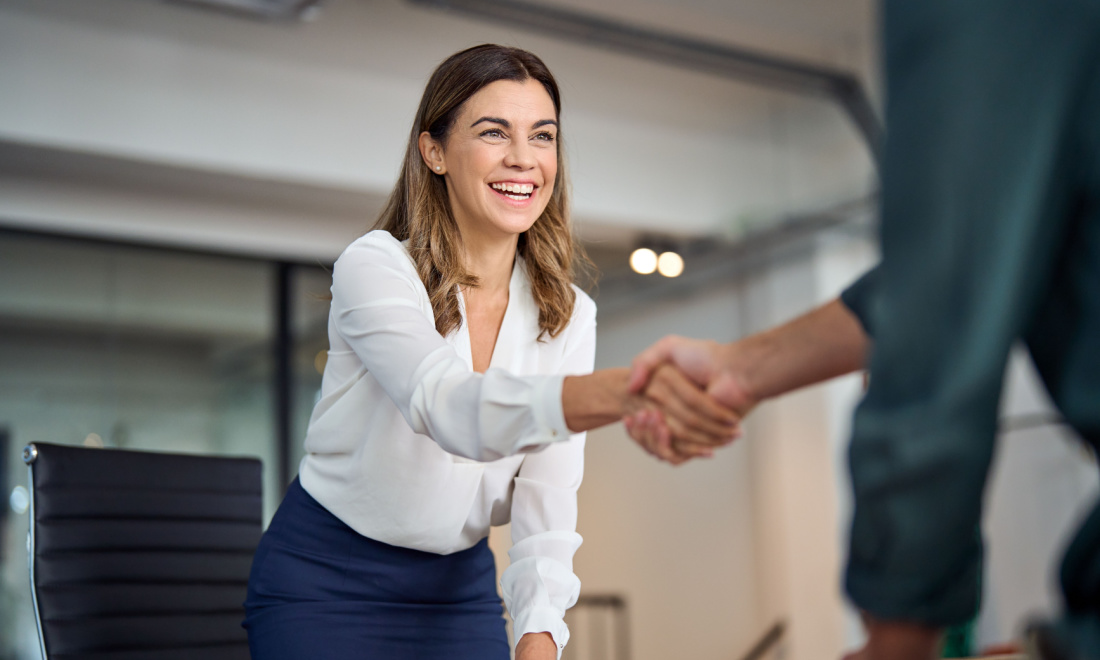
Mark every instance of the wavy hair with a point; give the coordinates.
(418, 209)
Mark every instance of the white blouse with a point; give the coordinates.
(411, 447)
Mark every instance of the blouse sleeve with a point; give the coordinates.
(378, 308)
(539, 585)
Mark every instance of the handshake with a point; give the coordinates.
(683, 398)
(686, 398)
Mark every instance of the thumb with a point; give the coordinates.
(643, 365)
(727, 390)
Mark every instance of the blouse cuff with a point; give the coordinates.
(549, 415)
(542, 619)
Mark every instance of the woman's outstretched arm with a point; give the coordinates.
(380, 310)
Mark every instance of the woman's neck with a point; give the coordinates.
(491, 262)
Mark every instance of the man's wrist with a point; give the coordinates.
(743, 362)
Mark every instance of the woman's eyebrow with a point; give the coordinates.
(494, 120)
(507, 124)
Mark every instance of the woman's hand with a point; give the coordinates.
(674, 420)
(536, 646)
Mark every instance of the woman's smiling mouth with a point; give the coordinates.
(519, 192)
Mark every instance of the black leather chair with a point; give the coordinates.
(141, 555)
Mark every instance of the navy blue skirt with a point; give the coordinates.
(321, 590)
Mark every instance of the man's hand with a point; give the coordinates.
(897, 640)
(708, 364)
(536, 646)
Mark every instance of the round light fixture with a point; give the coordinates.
(670, 264)
(643, 261)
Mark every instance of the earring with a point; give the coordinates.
(438, 167)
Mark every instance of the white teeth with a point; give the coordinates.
(518, 188)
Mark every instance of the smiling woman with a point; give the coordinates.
(451, 399)
(485, 134)
(499, 171)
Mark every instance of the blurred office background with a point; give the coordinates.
(175, 182)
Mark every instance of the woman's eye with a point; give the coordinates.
(493, 132)
(545, 136)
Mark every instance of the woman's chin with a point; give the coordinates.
(512, 224)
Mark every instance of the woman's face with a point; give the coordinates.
(500, 159)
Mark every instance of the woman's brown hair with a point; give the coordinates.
(419, 210)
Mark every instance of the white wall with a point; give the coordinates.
(676, 542)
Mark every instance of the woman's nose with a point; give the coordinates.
(520, 156)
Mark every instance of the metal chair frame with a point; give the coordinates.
(30, 454)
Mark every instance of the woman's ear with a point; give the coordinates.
(432, 153)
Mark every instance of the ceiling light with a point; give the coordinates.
(670, 264)
(643, 261)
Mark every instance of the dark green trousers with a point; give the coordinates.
(990, 235)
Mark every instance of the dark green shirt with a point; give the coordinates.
(990, 235)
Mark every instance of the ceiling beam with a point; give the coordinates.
(262, 9)
(843, 87)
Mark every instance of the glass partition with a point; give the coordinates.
(117, 346)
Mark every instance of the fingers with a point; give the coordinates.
(686, 449)
(639, 428)
(650, 430)
(691, 449)
(647, 428)
(648, 360)
(696, 443)
(691, 414)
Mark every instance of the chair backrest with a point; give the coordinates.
(140, 554)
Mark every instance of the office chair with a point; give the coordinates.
(140, 555)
